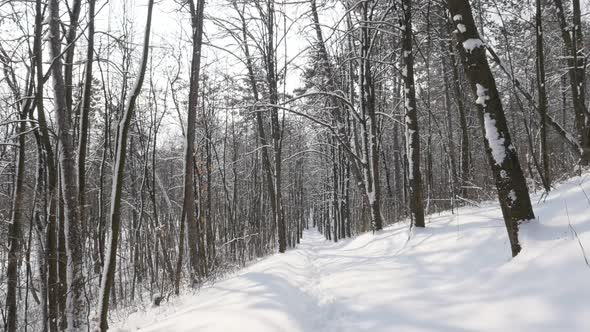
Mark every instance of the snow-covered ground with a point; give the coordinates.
(455, 275)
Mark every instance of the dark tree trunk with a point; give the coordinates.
(189, 147)
(75, 302)
(84, 113)
(369, 119)
(412, 133)
(510, 182)
(46, 156)
(108, 273)
(70, 39)
(575, 64)
(542, 95)
(275, 126)
(14, 235)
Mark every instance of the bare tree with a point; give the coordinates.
(411, 118)
(75, 312)
(196, 263)
(23, 106)
(501, 154)
(108, 273)
(84, 113)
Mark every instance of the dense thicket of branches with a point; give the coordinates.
(138, 160)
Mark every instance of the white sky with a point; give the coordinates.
(169, 25)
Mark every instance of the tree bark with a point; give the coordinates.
(70, 40)
(575, 64)
(189, 147)
(84, 112)
(510, 182)
(14, 235)
(275, 127)
(46, 157)
(542, 95)
(369, 119)
(411, 119)
(108, 272)
(75, 303)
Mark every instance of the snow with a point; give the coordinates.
(461, 27)
(512, 196)
(407, 105)
(457, 274)
(471, 44)
(495, 141)
(371, 197)
(458, 18)
(492, 135)
(482, 95)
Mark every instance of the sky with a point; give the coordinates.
(169, 25)
(171, 28)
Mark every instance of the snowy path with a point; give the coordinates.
(455, 275)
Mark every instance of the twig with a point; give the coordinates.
(238, 238)
(574, 233)
(474, 203)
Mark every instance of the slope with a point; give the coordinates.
(455, 275)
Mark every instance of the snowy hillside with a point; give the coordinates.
(455, 275)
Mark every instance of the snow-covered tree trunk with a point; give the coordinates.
(75, 301)
(411, 119)
(108, 272)
(510, 182)
(369, 123)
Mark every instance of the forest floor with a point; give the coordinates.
(454, 275)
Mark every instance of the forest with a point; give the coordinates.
(150, 147)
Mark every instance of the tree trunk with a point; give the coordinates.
(542, 92)
(108, 273)
(369, 125)
(412, 133)
(47, 157)
(465, 160)
(16, 221)
(70, 40)
(275, 127)
(510, 182)
(575, 64)
(75, 302)
(84, 113)
(189, 146)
